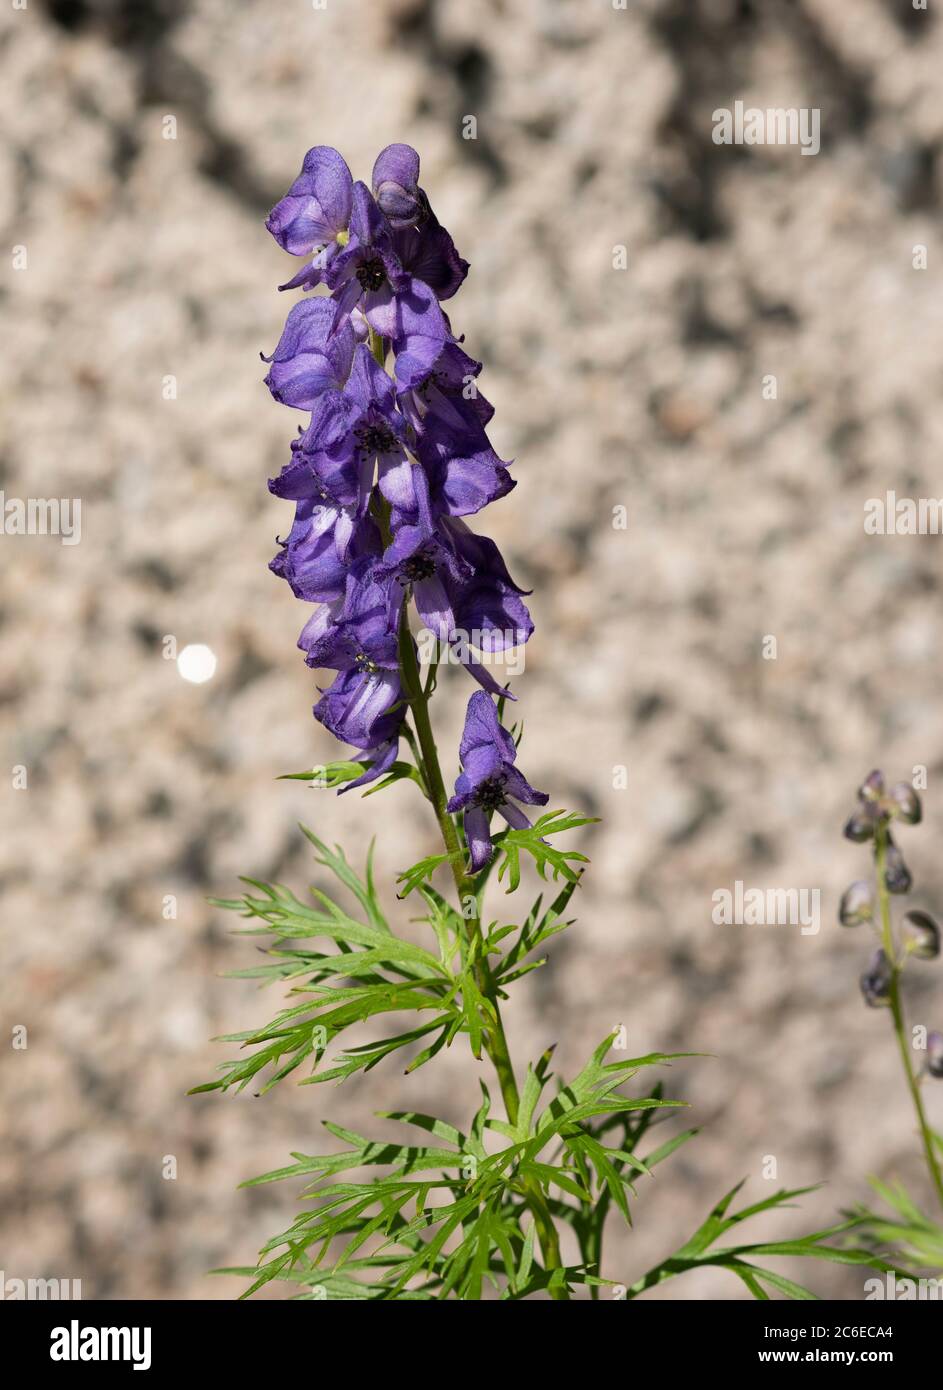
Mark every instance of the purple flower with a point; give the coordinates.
(367, 273)
(450, 395)
(489, 781)
(313, 217)
(448, 415)
(422, 244)
(364, 706)
(462, 591)
(877, 807)
(857, 904)
(921, 935)
(897, 877)
(359, 635)
(365, 709)
(329, 532)
(308, 560)
(489, 602)
(311, 357)
(426, 569)
(333, 416)
(331, 486)
(415, 326)
(906, 803)
(463, 471)
(349, 434)
(317, 626)
(377, 429)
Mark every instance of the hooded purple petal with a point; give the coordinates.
(396, 185)
(359, 708)
(316, 207)
(310, 357)
(483, 730)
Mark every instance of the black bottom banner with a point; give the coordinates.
(239, 1339)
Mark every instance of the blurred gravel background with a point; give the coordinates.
(640, 388)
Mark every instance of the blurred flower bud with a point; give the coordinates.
(876, 807)
(922, 935)
(872, 788)
(857, 904)
(876, 981)
(935, 1054)
(897, 876)
(860, 825)
(906, 803)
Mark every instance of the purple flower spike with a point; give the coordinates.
(394, 454)
(489, 781)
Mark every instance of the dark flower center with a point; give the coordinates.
(490, 793)
(376, 439)
(417, 567)
(371, 274)
(365, 663)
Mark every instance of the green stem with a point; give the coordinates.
(496, 1044)
(897, 1012)
(379, 347)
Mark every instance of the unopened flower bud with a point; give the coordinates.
(897, 877)
(922, 935)
(876, 981)
(860, 825)
(395, 188)
(857, 904)
(935, 1054)
(906, 803)
(872, 788)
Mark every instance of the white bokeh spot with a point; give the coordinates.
(197, 663)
